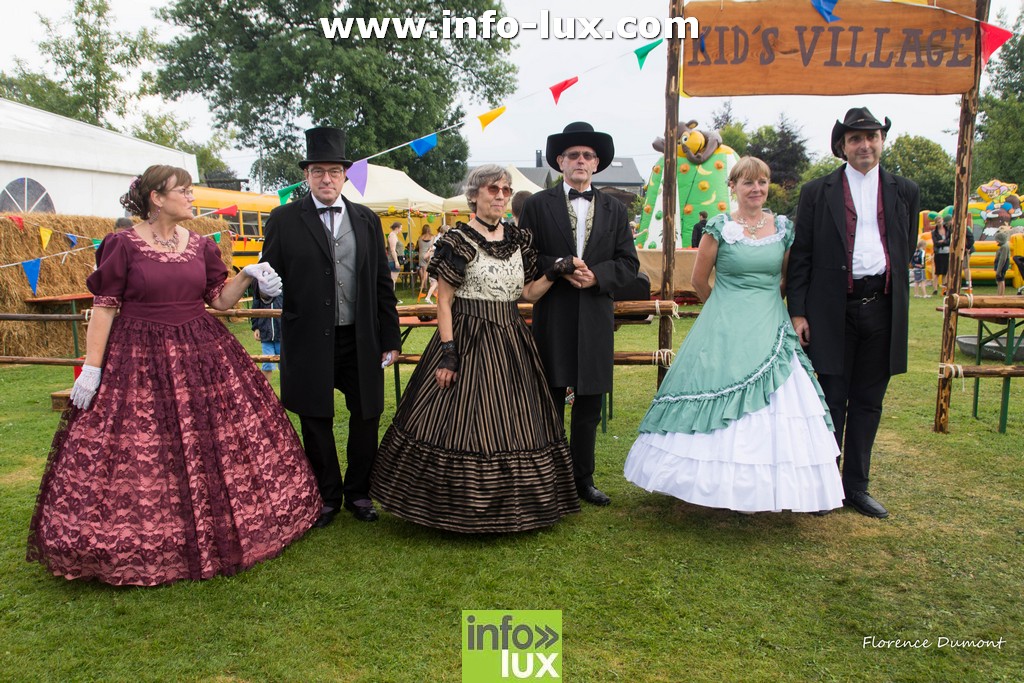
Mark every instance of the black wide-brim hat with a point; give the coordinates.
(858, 118)
(325, 145)
(580, 133)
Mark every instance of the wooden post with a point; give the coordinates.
(961, 218)
(668, 207)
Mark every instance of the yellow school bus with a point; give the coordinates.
(246, 226)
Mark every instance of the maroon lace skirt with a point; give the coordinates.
(184, 467)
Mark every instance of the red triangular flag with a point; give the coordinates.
(558, 88)
(992, 38)
(19, 221)
(227, 211)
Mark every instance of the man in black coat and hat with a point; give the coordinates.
(339, 325)
(847, 289)
(574, 322)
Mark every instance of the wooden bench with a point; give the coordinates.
(72, 300)
(992, 324)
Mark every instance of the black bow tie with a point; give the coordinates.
(576, 194)
(332, 209)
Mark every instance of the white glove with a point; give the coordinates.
(85, 386)
(266, 276)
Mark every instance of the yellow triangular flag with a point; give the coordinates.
(488, 118)
(682, 92)
(44, 235)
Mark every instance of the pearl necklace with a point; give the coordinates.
(751, 230)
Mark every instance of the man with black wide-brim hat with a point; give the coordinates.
(339, 325)
(574, 322)
(847, 289)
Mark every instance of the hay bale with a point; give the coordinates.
(59, 275)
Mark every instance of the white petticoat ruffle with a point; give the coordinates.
(782, 457)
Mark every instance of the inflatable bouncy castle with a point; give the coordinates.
(702, 173)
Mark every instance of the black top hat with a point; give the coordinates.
(581, 133)
(858, 118)
(326, 146)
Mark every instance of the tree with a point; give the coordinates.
(783, 149)
(164, 129)
(731, 129)
(820, 166)
(93, 64)
(924, 162)
(999, 145)
(265, 67)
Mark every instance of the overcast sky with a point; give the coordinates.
(613, 93)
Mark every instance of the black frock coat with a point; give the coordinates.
(298, 249)
(574, 329)
(817, 277)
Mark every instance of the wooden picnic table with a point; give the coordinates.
(72, 300)
(994, 323)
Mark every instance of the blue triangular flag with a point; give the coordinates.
(31, 269)
(424, 144)
(826, 8)
(73, 240)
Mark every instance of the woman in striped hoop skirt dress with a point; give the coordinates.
(475, 445)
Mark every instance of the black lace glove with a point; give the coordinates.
(563, 266)
(449, 357)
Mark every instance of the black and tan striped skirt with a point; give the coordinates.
(488, 454)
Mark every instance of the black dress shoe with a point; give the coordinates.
(363, 511)
(821, 513)
(327, 516)
(862, 502)
(593, 495)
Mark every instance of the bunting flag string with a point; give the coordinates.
(992, 38)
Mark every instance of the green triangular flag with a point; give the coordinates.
(216, 237)
(642, 52)
(96, 243)
(285, 193)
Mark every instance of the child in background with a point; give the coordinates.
(1002, 264)
(917, 263)
(267, 331)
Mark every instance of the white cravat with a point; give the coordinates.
(868, 253)
(582, 208)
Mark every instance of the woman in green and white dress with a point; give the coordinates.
(740, 422)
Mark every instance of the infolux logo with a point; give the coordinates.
(503, 645)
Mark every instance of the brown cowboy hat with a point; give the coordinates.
(325, 145)
(580, 133)
(858, 118)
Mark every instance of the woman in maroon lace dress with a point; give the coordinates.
(176, 460)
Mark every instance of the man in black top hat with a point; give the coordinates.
(847, 289)
(574, 322)
(339, 324)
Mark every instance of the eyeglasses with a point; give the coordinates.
(335, 173)
(573, 156)
(495, 190)
(186, 192)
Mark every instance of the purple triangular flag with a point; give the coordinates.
(357, 173)
(31, 269)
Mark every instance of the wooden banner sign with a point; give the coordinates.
(786, 47)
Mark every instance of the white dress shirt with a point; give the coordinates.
(582, 207)
(868, 252)
(327, 216)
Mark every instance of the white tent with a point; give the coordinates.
(388, 190)
(52, 163)
(519, 182)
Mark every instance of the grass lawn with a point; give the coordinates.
(650, 588)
